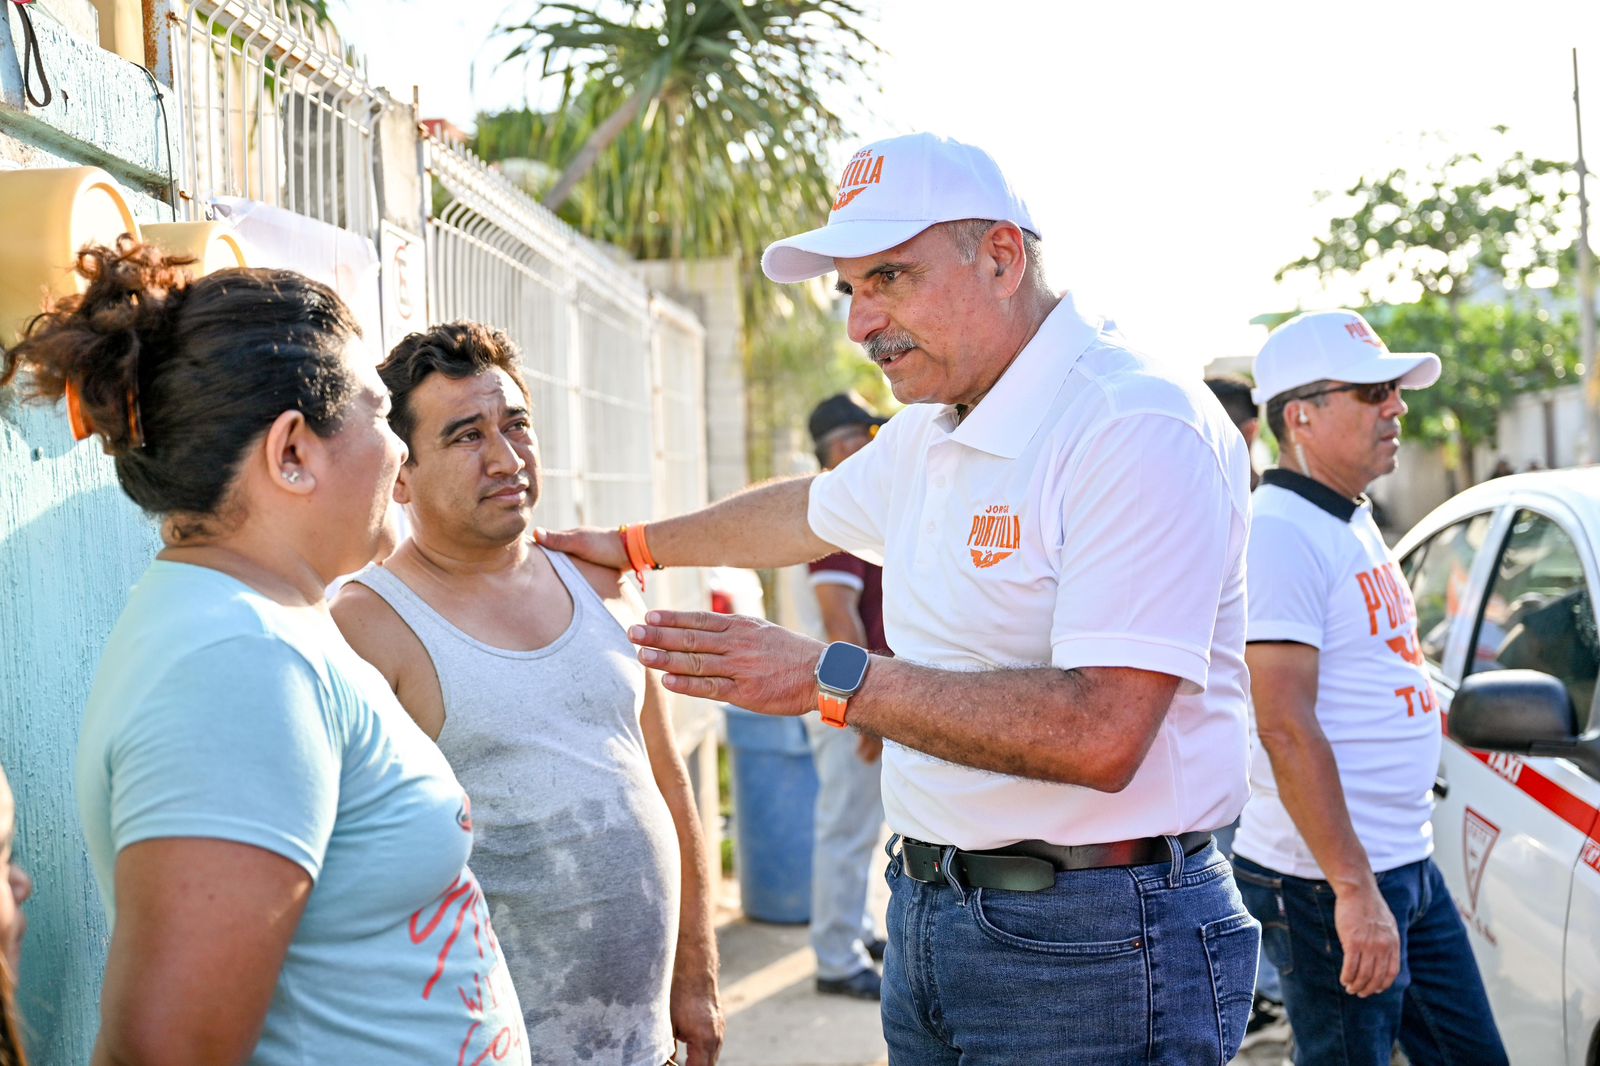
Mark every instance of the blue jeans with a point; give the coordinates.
(1436, 1007)
(1267, 983)
(1112, 967)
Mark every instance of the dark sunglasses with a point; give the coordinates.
(1372, 393)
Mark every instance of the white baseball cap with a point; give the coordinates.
(892, 190)
(1334, 346)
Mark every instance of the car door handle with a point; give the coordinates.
(1441, 787)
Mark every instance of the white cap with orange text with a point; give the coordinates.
(892, 190)
(1335, 346)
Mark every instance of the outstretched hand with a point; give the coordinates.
(603, 547)
(727, 657)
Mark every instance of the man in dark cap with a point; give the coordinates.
(1233, 392)
(849, 816)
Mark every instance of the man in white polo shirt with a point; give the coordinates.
(1062, 530)
(1336, 835)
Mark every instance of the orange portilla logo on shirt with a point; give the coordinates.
(996, 534)
(863, 170)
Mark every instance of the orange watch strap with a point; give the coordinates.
(833, 708)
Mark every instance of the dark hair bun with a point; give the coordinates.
(180, 377)
(95, 341)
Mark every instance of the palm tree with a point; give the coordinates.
(686, 128)
(698, 129)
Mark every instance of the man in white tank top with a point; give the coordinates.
(515, 660)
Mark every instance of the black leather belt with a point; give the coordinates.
(1032, 865)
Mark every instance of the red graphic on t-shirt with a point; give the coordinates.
(504, 1043)
(458, 904)
(462, 895)
(464, 815)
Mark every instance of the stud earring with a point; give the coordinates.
(292, 476)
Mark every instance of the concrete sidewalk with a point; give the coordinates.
(775, 1016)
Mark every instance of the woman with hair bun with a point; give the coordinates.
(281, 851)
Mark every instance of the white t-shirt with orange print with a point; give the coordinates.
(1319, 573)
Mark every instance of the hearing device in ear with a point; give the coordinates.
(1304, 421)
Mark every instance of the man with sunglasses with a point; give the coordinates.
(1336, 832)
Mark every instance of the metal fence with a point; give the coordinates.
(617, 373)
(272, 110)
(275, 110)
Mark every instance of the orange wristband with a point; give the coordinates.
(639, 557)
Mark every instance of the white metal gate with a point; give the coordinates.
(275, 108)
(272, 110)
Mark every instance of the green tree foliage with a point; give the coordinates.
(1489, 352)
(690, 129)
(1470, 259)
(804, 357)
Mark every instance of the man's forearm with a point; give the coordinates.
(848, 630)
(762, 526)
(1090, 727)
(1308, 784)
(696, 958)
(841, 614)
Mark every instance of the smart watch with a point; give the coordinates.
(840, 672)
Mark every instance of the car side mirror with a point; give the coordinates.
(1524, 712)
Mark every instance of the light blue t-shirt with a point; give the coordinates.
(219, 713)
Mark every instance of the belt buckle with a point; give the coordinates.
(922, 862)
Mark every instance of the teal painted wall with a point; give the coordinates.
(71, 546)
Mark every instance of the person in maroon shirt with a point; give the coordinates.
(849, 815)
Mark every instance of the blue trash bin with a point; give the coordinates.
(774, 808)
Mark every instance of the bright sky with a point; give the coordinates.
(1169, 152)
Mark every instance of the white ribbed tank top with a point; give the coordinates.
(573, 843)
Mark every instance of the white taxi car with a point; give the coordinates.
(1504, 577)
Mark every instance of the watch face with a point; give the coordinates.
(843, 667)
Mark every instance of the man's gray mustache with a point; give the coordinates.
(884, 345)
